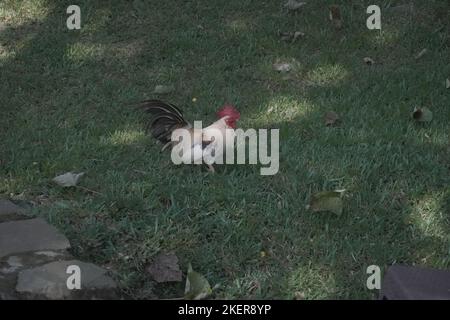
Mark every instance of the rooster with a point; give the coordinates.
(205, 143)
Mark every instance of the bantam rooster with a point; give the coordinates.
(207, 143)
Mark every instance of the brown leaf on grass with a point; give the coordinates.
(422, 114)
(165, 268)
(335, 16)
(368, 61)
(331, 118)
(327, 201)
(294, 5)
(421, 54)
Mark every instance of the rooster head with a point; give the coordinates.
(231, 113)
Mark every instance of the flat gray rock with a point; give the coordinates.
(50, 280)
(165, 268)
(12, 264)
(30, 235)
(8, 207)
(10, 211)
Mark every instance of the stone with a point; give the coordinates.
(7, 285)
(30, 235)
(10, 211)
(8, 207)
(50, 281)
(8, 270)
(165, 268)
(14, 261)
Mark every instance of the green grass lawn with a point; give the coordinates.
(63, 107)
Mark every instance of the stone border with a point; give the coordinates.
(35, 263)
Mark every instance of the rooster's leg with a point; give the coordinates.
(211, 168)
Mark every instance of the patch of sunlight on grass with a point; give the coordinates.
(249, 284)
(283, 109)
(126, 50)
(385, 37)
(326, 75)
(429, 217)
(14, 186)
(83, 51)
(6, 54)
(309, 280)
(123, 137)
(79, 52)
(17, 12)
(97, 21)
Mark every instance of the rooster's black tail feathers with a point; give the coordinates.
(165, 119)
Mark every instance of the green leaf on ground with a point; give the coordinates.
(197, 287)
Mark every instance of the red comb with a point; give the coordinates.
(228, 110)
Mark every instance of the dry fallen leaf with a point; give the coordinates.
(68, 179)
(331, 118)
(327, 201)
(368, 61)
(335, 16)
(282, 67)
(294, 5)
(161, 89)
(422, 114)
(421, 54)
(197, 287)
(165, 268)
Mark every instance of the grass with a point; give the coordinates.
(63, 104)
